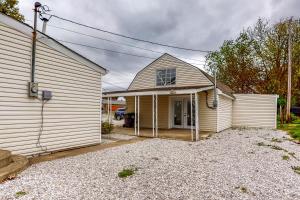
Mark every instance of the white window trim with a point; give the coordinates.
(171, 85)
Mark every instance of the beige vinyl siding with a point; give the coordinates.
(255, 110)
(71, 117)
(146, 110)
(207, 116)
(186, 75)
(224, 113)
(129, 104)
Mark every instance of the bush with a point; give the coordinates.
(106, 128)
(293, 117)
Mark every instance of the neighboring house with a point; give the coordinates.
(115, 104)
(170, 93)
(71, 118)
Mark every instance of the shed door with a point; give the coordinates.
(182, 115)
(178, 113)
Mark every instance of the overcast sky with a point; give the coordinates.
(196, 24)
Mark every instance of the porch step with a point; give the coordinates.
(10, 164)
(5, 158)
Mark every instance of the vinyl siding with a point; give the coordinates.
(207, 116)
(255, 110)
(224, 113)
(129, 104)
(71, 117)
(146, 110)
(186, 75)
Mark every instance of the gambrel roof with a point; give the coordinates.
(195, 77)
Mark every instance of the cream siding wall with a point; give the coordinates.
(146, 110)
(255, 110)
(186, 75)
(71, 118)
(224, 113)
(207, 116)
(129, 104)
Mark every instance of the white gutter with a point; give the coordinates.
(158, 92)
(225, 95)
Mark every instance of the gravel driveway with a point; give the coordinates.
(234, 164)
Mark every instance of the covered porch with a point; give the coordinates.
(176, 113)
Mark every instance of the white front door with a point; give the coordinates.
(181, 112)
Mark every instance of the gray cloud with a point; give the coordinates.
(194, 24)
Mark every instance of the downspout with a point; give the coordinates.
(215, 101)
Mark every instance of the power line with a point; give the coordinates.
(114, 85)
(115, 42)
(118, 43)
(113, 51)
(109, 50)
(132, 38)
(119, 74)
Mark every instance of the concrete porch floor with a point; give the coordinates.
(177, 134)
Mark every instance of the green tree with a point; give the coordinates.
(234, 64)
(257, 60)
(9, 7)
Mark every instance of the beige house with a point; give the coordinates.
(71, 118)
(171, 94)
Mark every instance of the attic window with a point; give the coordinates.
(165, 77)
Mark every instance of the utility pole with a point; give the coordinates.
(32, 85)
(289, 86)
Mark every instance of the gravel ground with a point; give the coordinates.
(234, 164)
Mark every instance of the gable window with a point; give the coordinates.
(165, 77)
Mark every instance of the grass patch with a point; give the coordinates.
(296, 169)
(285, 157)
(275, 140)
(261, 144)
(20, 193)
(155, 158)
(292, 128)
(244, 190)
(127, 172)
(277, 147)
(292, 154)
(272, 146)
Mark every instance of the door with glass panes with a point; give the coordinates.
(183, 113)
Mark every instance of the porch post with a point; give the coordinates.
(135, 115)
(156, 126)
(192, 131)
(138, 116)
(197, 116)
(108, 110)
(153, 116)
(107, 107)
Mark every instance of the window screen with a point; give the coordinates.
(165, 77)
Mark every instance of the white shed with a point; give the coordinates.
(72, 118)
